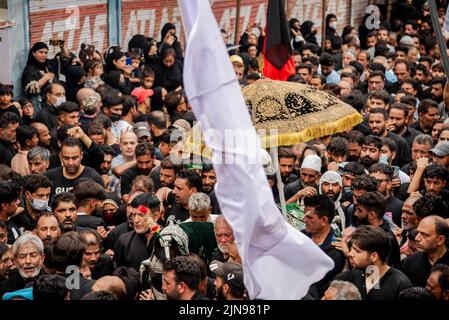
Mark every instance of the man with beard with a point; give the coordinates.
(9, 122)
(355, 142)
(144, 165)
(208, 178)
(187, 182)
(54, 97)
(377, 121)
(225, 238)
(43, 134)
(409, 220)
(319, 213)
(63, 205)
(6, 261)
(133, 247)
(286, 158)
(64, 178)
(89, 199)
(99, 264)
(427, 115)
(370, 153)
(433, 232)
(28, 252)
(375, 279)
(383, 173)
(331, 185)
(164, 174)
(229, 280)
(110, 238)
(370, 211)
(38, 160)
(105, 167)
(437, 88)
(9, 193)
(181, 278)
(36, 190)
(306, 186)
(398, 119)
(47, 227)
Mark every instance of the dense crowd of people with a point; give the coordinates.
(95, 185)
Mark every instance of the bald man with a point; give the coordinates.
(43, 134)
(90, 103)
(127, 157)
(111, 284)
(433, 233)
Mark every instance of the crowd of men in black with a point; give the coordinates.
(91, 174)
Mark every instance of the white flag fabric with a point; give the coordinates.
(279, 262)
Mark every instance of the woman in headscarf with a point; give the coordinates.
(75, 77)
(38, 73)
(158, 98)
(117, 72)
(295, 33)
(309, 31)
(169, 40)
(331, 25)
(168, 71)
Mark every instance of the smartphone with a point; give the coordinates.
(129, 61)
(396, 171)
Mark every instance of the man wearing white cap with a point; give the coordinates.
(306, 186)
(331, 184)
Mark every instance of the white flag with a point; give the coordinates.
(279, 262)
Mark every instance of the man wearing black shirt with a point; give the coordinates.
(8, 207)
(370, 211)
(64, 207)
(54, 96)
(181, 278)
(427, 115)
(397, 123)
(433, 231)
(134, 247)
(64, 178)
(383, 173)
(9, 122)
(144, 165)
(187, 182)
(99, 264)
(372, 276)
(319, 211)
(377, 121)
(89, 198)
(36, 189)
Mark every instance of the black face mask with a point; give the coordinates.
(114, 117)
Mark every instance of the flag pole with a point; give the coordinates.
(439, 36)
(280, 184)
(323, 24)
(237, 23)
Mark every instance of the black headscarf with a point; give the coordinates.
(73, 75)
(169, 77)
(113, 80)
(32, 60)
(168, 26)
(306, 31)
(157, 103)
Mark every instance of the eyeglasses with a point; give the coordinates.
(379, 181)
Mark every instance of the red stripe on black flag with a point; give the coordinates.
(277, 49)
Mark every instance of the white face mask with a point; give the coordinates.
(333, 25)
(59, 101)
(39, 204)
